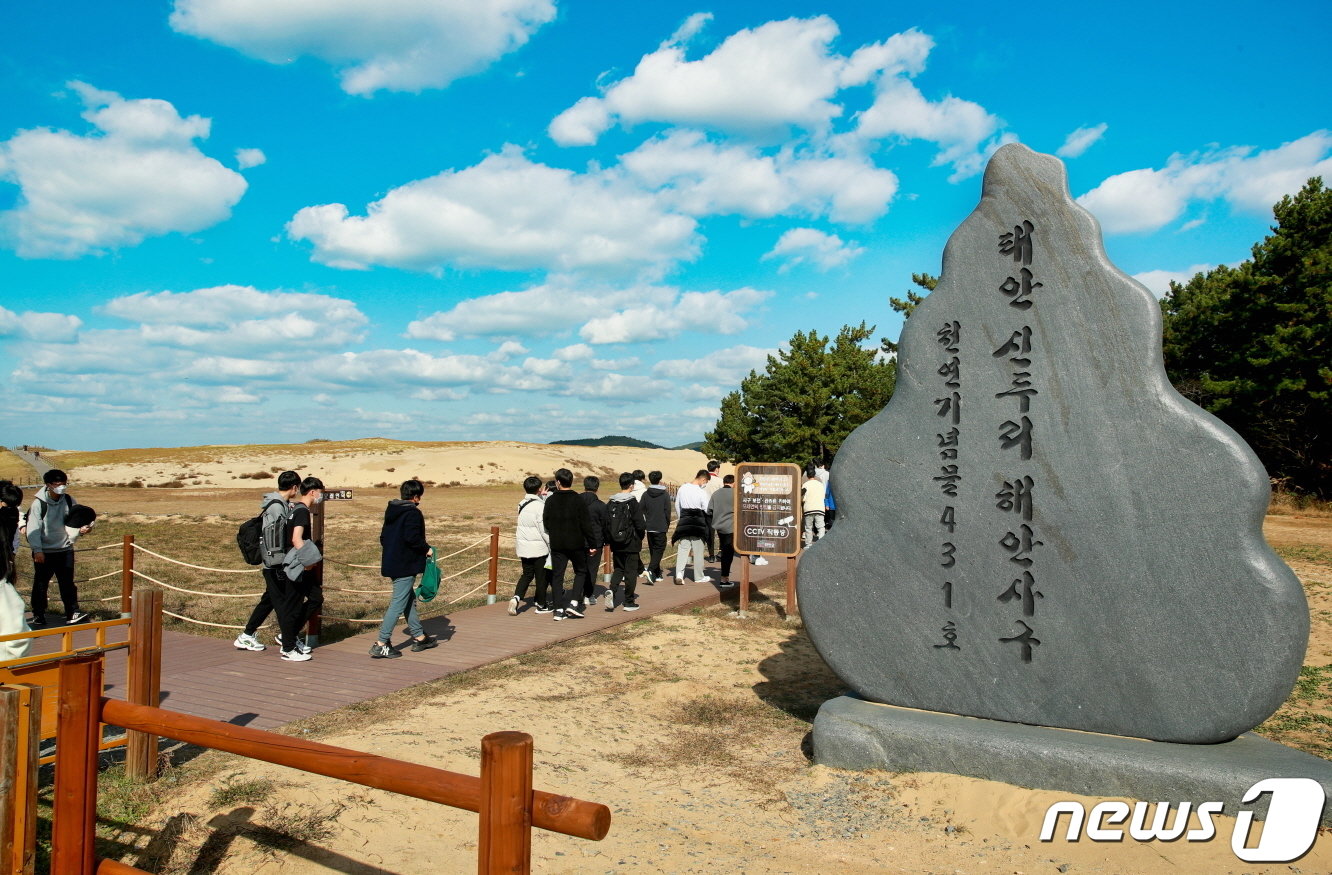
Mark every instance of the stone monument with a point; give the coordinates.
(1038, 528)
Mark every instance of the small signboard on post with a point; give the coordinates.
(767, 509)
(337, 495)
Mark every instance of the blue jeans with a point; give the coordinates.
(401, 604)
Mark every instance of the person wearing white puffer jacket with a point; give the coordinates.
(533, 547)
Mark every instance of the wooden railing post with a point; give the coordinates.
(506, 804)
(126, 574)
(492, 584)
(20, 731)
(606, 564)
(145, 667)
(78, 732)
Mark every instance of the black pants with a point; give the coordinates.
(628, 565)
(61, 565)
(727, 552)
(534, 568)
(309, 599)
(281, 597)
(656, 550)
(559, 560)
(709, 542)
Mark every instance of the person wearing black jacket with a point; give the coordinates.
(570, 527)
(656, 504)
(600, 537)
(405, 550)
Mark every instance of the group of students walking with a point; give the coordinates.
(559, 530)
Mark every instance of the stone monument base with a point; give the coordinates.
(851, 733)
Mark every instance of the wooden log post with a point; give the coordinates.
(316, 623)
(506, 804)
(78, 733)
(145, 667)
(10, 712)
(492, 582)
(126, 574)
(20, 735)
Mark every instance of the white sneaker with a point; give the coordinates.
(762, 560)
(301, 646)
(704, 579)
(295, 656)
(513, 606)
(247, 642)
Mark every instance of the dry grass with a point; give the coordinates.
(15, 469)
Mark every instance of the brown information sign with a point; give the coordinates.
(337, 495)
(767, 509)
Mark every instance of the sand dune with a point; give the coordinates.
(371, 462)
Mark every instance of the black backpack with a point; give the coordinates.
(250, 536)
(622, 522)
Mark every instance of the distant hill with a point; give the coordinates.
(611, 440)
(696, 445)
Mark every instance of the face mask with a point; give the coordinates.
(319, 499)
(59, 490)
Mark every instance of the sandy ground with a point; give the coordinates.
(384, 462)
(670, 724)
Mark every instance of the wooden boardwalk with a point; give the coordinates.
(208, 677)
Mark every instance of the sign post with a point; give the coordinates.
(767, 515)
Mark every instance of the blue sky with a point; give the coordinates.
(236, 221)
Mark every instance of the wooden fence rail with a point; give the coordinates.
(502, 795)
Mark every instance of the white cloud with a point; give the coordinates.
(382, 369)
(1148, 199)
(712, 312)
(1081, 140)
(550, 308)
(725, 366)
(45, 327)
(247, 158)
(576, 352)
(962, 129)
(1158, 281)
(234, 318)
(405, 45)
(826, 251)
(139, 174)
(618, 387)
(759, 81)
(506, 212)
(700, 177)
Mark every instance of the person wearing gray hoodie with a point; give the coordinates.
(52, 549)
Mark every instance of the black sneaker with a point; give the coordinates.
(559, 615)
(37, 623)
(573, 611)
(380, 650)
(542, 609)
(77, 617)
(425, 643)
(629, 606)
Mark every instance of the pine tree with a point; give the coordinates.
(808, 399)
(1253, 344)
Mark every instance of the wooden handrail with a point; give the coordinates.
(562, 814)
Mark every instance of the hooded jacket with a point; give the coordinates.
(403, 539)
(656, 504)
(46, 522)
(530, 536)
